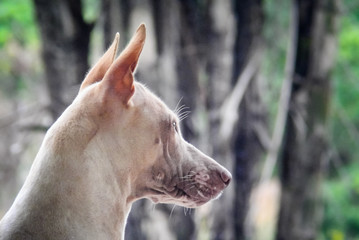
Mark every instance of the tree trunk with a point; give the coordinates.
(305, 145)
(247, 147)
(189, 62)
(219, 58)
(240, 150)
(166, 21)
(116, 18)
(65, 40)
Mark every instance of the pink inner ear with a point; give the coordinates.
(133, 66)
(128, 80)
(120, 75)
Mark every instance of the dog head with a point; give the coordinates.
(142, 136)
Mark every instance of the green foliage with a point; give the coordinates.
(276, 41)
(341, 206)
(17, 22)
(346, 86)
(341, 191)
(90, 9)
(349, 44)
(19, 41)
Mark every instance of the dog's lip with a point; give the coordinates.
(188, 193)
(190, 201)
(199, 195)
(177, 196)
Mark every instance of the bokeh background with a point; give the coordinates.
(272, 86)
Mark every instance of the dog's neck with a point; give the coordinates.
(83, 189)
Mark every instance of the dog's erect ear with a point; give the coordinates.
(119, 77)
(99, 70)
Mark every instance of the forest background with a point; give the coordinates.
(272, 86)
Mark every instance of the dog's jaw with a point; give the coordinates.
(190, 191)
(197, 187)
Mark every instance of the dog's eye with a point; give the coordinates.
(174, 125)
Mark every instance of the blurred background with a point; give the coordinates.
(272, 86)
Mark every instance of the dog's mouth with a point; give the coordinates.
(181, 197)
(191, 191)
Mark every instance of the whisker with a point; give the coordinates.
(187, 180)
(153, 207)
(184, 116)
(184, 113)
(187, 176)
(200, 194)
(177, 105)
(185, 211)
(174, 205)
(191, 186)
(193, 172)
(180, 109)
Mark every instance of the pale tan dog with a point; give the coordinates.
(116, 143)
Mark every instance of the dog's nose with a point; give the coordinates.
(226, 177)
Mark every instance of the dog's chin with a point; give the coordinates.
(196, 197)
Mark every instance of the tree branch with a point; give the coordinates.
(282, 114)
(229, 110)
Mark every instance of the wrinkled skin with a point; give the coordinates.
(178, 172)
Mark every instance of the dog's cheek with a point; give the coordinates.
(158, 176)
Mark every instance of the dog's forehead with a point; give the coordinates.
(153, 103)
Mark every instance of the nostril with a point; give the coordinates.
(226, 177)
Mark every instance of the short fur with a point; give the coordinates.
(116, 143)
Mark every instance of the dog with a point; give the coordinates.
(116, 143)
